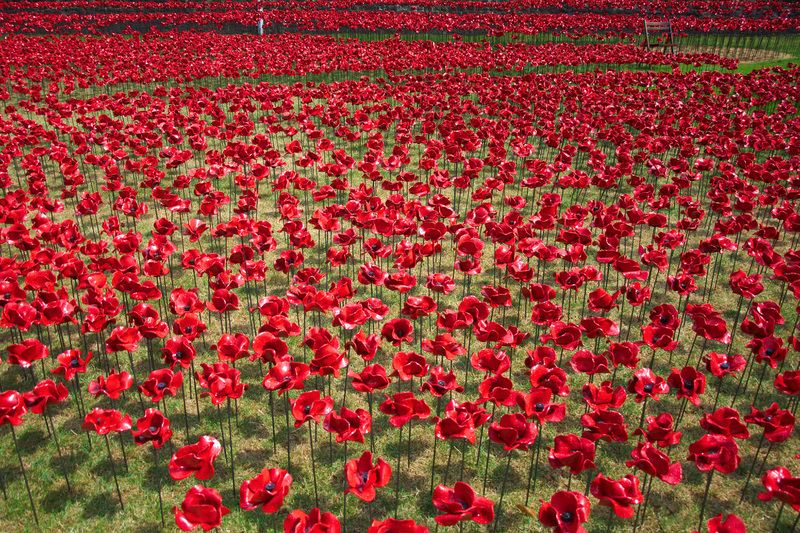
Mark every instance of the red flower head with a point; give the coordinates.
(513, 431)
(620, 495)
(222, 382)
(71, 363)
(418, 306)
(25, 353)
(310, 406)
(104, 421)
(189, 325)
(725, 421)
(372, 378)
(732, 524)
(601, 301)
(659, 337)
(440, 283)
(719, 452)
(362, 476)
(397, 331)
(567, 336)
(439, 383)
(586, 362)
(688, 383)
(350, 425)
(366, 346)
(112, 386)
(574, 452)
(392, 525)
(201, 507)
(12, 408)
(499, 389)
(788, 382)
(178, 350)
(746, 286)
(604, 425)
(645, 384)
(45, 393)
(403, 407)
(267, 490)
(778, 424)
(230, 348)
(769, 349)
(197, 459)
(537, 406)
(665, 316)
(146, 319)
(780, 484)
(551, 377)
(286, 375)
(488, 360)
(660, 431)
(720, 364)
(460, 503)
(444, 345)
(623, 353)
(604, 396)
(123, 339)
(654, 462)
(152, 427)
(269, 348)
(182, 301)
(565, 512)
(408, 365)
(460, 421)
(316, 522)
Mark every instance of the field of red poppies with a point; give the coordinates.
(399, 266)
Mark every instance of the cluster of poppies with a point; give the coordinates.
(474, 248)
(576, 20)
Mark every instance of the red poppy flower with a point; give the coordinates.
(778, 423)
(604, 425)
(26, 352)
(719, 452)
(688, 382)
(565, 512)
(316, 522)
(598, 326)
(621, 495)
(513, 431)
(362, 476)
(659, 337)
(440, 283)
(123, 339)
(604, 396)
(183, 301)
(12, 408)
(623, 353)
(460, 503)
(725, 421)
(222, 382)
(440, 383)
(350, 425)
(720, 364)
(230, 348)
(45, 393)
(366, 346)
(403, 407)
(732, 524)
(660, 431)
(586, 362)
(104, 421)
(408, 365)
(746, 286)
(286, 375)
(654, 462)
(160, 382)
(551, 377)
(189, 325)
(444, 345)
(602, 301)
(197, 459)
(769, 349)
(267, 490)
(269, 348)
(488, 360)
(112, 386)
(567, 336)
(70, 363)
(665, 316)
(788, 382)
(460, 421)
(397, 331)
(537, 405)
(201, 507)
(780, 484)
(576, 453)
(146, 319)
(392, 525)
(310, 406)
(152, 427)
(645, 384)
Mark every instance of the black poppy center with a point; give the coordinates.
(306, 409)
(566, 516)
(187, 307)
(648, 387)
(770, 351)
(153, 429)
(767, 419)
(270, 486)
(664, 319)
(539, 407)
(441, 383)
(188, 329)
(689, 385)
(179, 354)
(74, 363)
(724, 366)
(162, 386)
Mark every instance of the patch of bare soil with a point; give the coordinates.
(744, 55)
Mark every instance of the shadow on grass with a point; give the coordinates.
(56, 501)
(102, 505)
